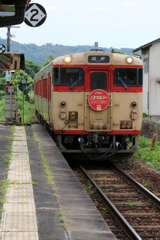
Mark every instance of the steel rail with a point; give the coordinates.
(122, 221)
(139, 186)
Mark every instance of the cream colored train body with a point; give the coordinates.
(92, 104)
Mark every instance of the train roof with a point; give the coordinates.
(86, 58)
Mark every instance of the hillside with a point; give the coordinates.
(39, 54)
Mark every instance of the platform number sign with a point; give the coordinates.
(35, 15)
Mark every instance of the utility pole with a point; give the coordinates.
(9, 35)
(8, 39)
(10, 104)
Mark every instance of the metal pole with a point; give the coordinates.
(23, 103)
(8, 42)
(10, 104)
(8, 39)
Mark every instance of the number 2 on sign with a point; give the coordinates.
(36, 13)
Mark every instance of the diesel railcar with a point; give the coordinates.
(92, 104)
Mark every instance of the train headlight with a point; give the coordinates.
(129, 60)
(67, 59)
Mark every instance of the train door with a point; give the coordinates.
(98, 100)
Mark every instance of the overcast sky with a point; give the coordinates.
(112, 23)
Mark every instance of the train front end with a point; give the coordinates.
(97, 110)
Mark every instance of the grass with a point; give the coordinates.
(89, 185)
(101, 179)
(5, 183)
(29, 111)
(147, 154)
(7, 156)
(132, 203)
(147, 184)
(104, 208)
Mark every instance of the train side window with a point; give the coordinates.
(55, 76)
(126, 75)
(140, 77)
(98, 80)
(69, 75)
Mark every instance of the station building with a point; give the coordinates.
(151, 78)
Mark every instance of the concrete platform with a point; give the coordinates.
(82, 220)
(33, 210)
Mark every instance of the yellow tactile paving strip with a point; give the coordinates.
(19, 216)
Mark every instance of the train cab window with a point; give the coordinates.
(55, 78)
(68, 76)
(98, 80)
(126, 76)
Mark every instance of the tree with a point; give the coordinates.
(29, 86)
(31, 68)
(2, 87)
(119, 52)
(50, 59)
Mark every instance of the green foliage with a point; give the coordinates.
(2, 84)
(29, 110)
(132, 203)
(31, 68)
(31, 96)
(146, 116)
(29, 86)
(119, 52)
(50, 59)
(143, 142)
(2, 108)
(39, 54)
(151, 157)
(147, 184)
(104, 208)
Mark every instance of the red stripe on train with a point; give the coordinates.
(81, 132)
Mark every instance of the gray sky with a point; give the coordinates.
(112, 23)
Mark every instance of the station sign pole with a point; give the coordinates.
(23, 81)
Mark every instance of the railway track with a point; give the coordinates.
(130, 209)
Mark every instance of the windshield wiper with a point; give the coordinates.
(123, 83)
(75, 83)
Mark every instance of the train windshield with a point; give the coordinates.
(128, 76)
(98, 80)
(68, 76)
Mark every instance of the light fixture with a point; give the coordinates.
(67, 59)
(129, 60)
